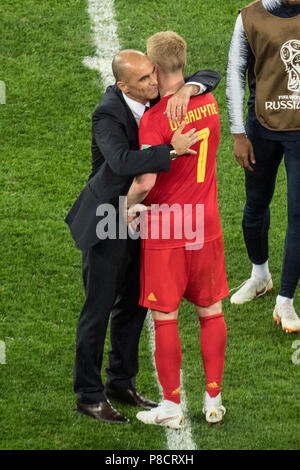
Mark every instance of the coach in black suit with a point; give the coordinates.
(111, 265)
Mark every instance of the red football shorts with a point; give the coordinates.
(168, 275)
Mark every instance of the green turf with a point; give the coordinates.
(45, 161)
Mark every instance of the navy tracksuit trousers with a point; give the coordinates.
(260, 186)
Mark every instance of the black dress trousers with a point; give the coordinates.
(111, 281)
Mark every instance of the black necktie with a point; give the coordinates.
(146, 109)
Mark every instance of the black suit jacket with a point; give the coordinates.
(117, 160)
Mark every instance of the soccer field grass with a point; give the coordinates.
(45, 133)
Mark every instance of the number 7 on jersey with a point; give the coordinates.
(203, 137)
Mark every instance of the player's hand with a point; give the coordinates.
(183, 142)
(133, 217)
(243, 151)
(178, 103)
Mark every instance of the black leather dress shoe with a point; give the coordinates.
(103, 411)
(129, 396)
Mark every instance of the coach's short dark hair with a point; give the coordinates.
(120, 62)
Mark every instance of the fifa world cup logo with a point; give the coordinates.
(290, 55)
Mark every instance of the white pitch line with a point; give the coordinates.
(105, 37)
(2, 352)
(2, 92)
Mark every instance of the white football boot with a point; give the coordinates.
(286, 315)
(251, 289)
(213, 408)
(163, 415)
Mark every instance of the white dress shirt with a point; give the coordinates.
(136, 108)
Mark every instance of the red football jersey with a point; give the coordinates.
(187, 194)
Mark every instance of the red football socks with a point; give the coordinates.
(168, 354)
(213, 344)
(168, 358)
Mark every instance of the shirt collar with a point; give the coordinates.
(136, 108)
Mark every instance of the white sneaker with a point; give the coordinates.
(213, 408)
(162, 415)
(251, 289)
(286, 315)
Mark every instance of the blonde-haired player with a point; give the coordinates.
(174, 268)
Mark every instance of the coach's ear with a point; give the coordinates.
(123, 87)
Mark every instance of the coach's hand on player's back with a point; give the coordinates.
(182, 142)
(243, 151)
